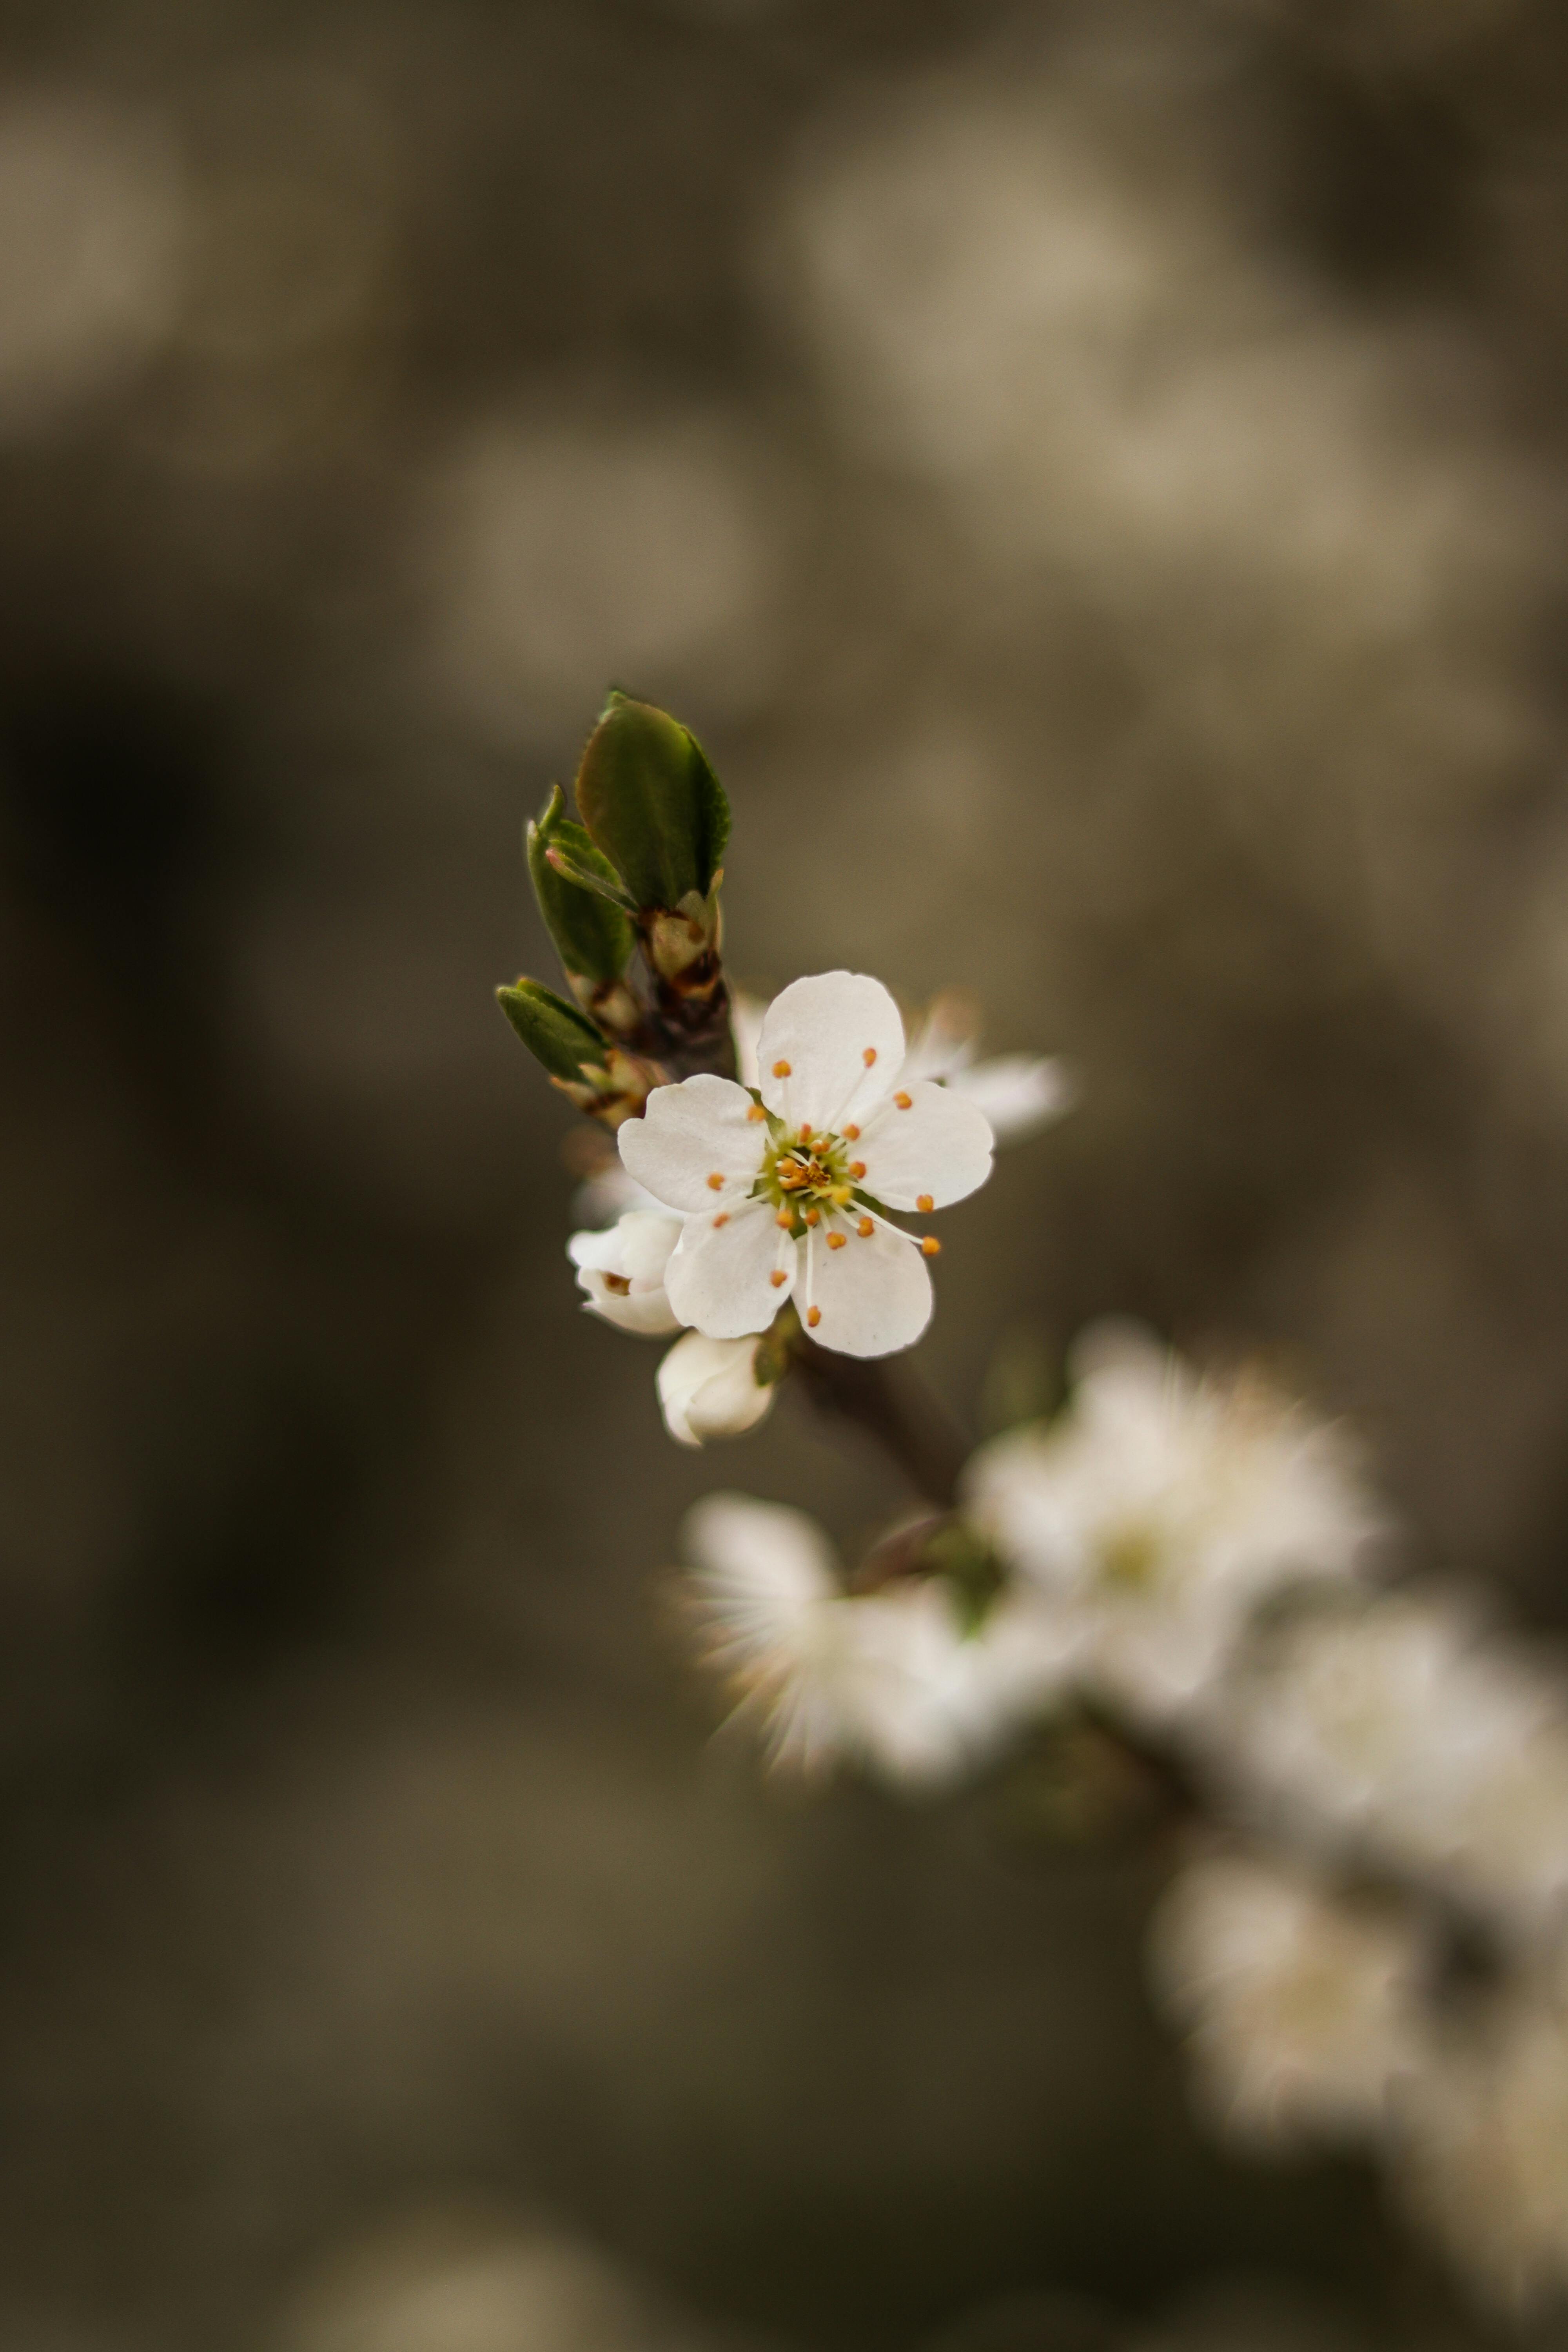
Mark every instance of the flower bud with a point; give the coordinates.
(652, 805)
(710, 1388)
(622, 1271)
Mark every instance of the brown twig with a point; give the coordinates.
(893, 1406)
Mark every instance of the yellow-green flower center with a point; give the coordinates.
(1129, 1556)
(805, 1175)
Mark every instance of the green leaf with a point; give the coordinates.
(652, 803)
(554, 1031)
(593, 879)
(575, 887)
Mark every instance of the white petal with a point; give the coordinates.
(822, 1028)
(747, 1015)
(638, 1246)
(720, 1279)
(708, 1388)
(874, 1295)
(688, 1133)
(1018, 1093)
(648, 1313)
(938, 1150)
(778, 1559)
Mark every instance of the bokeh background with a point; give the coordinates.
(1094, 476)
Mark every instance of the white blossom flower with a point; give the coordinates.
(1395, 1727)
(1159, 1508)
(709, 1388)
(623, 1271)
(1480, 2148)
(888, 1679)
(1301, 2012)
(785, 1195)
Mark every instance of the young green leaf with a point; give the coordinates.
(554, 1031)
(652, 803)
(580, 895)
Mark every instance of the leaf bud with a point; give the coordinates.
(652, 805)
(578, 892)
(554, 1031)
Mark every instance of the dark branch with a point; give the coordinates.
(891, 1404)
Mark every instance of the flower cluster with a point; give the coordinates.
(1168, 1594)
(1369, 1942)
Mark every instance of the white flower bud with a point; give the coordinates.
(709, 1388)
(623, 1271)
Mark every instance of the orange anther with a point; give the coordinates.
(778, 1277)
(715, 1182)
(757, 1111)
(856, 1167)
(865, 1228)
(813, 1216)
(924, 1203)
(851, 1135)
(785, 1218)
(870, 1056)
(836, 1241)
(814, 1316)
(722, 1219)
(904, 1101)
(805, 1132)
(930, 1246)
(781, 1069)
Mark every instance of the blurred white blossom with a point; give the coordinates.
(1161, 1507)
(461, 2282)
(1018, 1094)
(1395, 1726)
(709, 1388)
(622, 1271)
(891, 1679)
(1300, 2011)
(606, 1194)
(1482, 2150)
